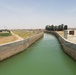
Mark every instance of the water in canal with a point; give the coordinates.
(45, 57)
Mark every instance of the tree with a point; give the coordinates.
(56, 28)
(65, 27)
(47, 27)
(62, 27)
(52, 27)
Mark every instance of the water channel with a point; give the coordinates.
(44, 57)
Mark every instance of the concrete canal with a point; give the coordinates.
(45, 57)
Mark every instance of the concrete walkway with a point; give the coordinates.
(72, 39)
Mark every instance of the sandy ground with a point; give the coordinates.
(61, 33)
(7, 39)
(19, 38)
(72, 38)
(11, 38)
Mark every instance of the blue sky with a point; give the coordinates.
(37, 13)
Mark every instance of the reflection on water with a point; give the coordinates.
(45, 57)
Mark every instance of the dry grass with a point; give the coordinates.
(24, 34)
(6, 39)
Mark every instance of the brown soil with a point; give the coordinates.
(8, 39)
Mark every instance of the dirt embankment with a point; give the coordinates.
(16, 35)
(7, 39)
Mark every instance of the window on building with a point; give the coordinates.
(71, 32)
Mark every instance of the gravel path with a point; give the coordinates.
(19, 38)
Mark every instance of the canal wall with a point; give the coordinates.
(10, 49)
(68, 46)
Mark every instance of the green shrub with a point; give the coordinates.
(5, 34)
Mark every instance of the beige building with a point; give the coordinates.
(69, 34)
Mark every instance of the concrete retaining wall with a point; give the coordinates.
(13, 48)
(69, 47)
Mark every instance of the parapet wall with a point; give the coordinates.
(13, 48)
(69, 47)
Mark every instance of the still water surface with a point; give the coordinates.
(45, 57)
